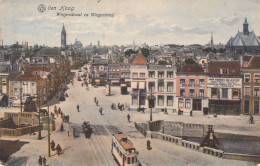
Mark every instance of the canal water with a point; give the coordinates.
(233, 146)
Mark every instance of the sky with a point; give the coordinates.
(147, 21)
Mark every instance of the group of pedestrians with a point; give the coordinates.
(57, 148)
(58, 111)
(42, 161)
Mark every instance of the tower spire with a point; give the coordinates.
(245, 27)
(211, 41)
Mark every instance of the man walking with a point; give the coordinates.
(78, 108)
(44, 161)
(100, 110)
(40, 160)
(128, 118)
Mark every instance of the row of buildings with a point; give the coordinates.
(223, 87)
(40, 76)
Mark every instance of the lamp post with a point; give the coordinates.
(21, 98)
(49, 150)
(151, 118)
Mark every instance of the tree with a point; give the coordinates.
(130, 52)
(189, 61)
(145, 52)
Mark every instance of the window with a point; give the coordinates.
(151, 74)
(160, 86)
(214, 92)
(201, 92)
(161, 74)
(192, 92)
(182, 81)
(180, 104)
(182, 92)
(246, 107)
(160, 100)
(257, 78)
(187, 103)
(235, 93)
(224, 71)
(201, 81)
(135, 74)
(128, 160)
(256, 92)
(256, 107)
(169, 86)
(169, 74)
(142, 74)
(133, 160)
(192, 82)
(151, 86)
(224, 92)
(247, 91)
(142, 100)
(247, 77)
(169, 100)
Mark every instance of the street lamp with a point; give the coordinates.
(151, 100)
(21, 98)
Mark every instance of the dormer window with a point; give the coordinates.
(224, 71)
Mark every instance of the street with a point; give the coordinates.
(97, 149)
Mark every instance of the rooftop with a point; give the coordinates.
(233, 67)
(139, 59)
(126, 143)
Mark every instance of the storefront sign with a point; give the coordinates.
(224, 82)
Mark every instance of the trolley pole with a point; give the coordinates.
(49, 150)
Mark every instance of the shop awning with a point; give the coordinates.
(141, 85)
(134, 85)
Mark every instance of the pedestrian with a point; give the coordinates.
(78, 108)
(100, 110)
(61, 127)
(148, 144)
(58, 148)
(82, 84)
(59, 110)
(165, 111)
(74, 133)
(44, 161)
(190, 112)
(40, 160)
(97, 103)
(251, 119)
(55, 108)
(128, 118)
(52, 145)
(95, 99)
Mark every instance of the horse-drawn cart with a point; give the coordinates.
(86, 129)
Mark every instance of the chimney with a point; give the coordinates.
(241, 60)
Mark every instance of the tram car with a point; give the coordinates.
(124, 151)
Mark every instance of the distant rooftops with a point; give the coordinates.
(192, 68)
(251, 61)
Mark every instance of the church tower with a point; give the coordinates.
(245, 27)
(211, 41)
(63, 37)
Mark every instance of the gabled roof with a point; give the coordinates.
(139, 59)
(233, 67)
(253, 62)
(244, 40)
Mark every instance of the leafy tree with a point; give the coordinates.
(145, 52)
(189, 61)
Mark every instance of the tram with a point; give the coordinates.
(124, 151)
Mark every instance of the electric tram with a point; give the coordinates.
(124, 151)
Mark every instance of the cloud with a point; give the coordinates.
(195, 30)
(233, 20)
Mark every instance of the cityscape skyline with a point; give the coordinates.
(181, 22)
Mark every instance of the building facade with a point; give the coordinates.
(224, 87)
(161, 81)
(191, 88)
(251, 86)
